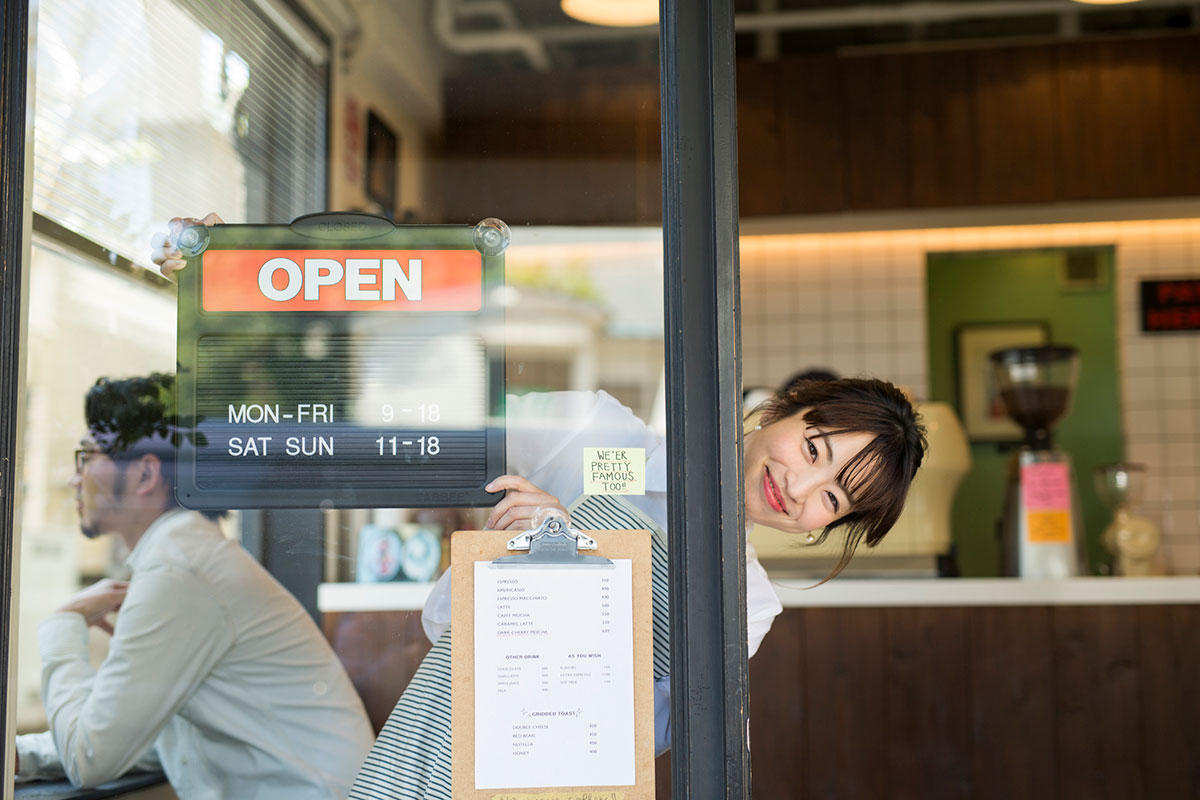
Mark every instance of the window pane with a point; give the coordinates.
(283, 634)
(147, 107)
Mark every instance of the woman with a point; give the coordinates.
(820, 457)
(825, 456)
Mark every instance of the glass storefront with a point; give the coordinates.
(292, 281)
(262, 112)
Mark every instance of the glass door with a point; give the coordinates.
(161, 137)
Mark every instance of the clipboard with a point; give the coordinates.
(551, 546)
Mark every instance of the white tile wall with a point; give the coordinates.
(855, 302)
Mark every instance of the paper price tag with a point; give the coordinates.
(614, 470)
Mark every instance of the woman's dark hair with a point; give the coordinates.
(878, 477)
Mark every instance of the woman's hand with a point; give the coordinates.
(163, 251)
(516, 511)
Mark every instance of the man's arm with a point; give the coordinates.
(37, 758)
(170, 633)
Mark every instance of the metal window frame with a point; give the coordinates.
(700, 226)
(709, 701)
(14, 246)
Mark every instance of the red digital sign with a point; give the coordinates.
(1171, 305)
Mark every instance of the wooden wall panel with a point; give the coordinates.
(1012, 703)
(813, 150)
(928, 708)
(943, 139)
(1108, 117)
(761, 182)
(875, 128)
(1098, 703)
(551, 149)
(1037, 123)
(1079, 123)
(1065, 702)
(1169, 664)
(777, 709)
(662, 777)
(844, 736)
(1180, 127)
(1014, 101)
(381, 651)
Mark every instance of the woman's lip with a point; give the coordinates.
(774, 496)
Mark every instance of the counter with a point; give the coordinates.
(858, 592)
(147, 785)
(957, 687)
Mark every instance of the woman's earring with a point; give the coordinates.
(810, 539)
(758, 427)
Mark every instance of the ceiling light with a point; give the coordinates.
(615, 13)
(1106, 2)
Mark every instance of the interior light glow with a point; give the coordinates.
(614, 13)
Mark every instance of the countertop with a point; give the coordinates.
(844, 592)
(63, 790)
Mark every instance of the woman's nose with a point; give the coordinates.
(800, 485)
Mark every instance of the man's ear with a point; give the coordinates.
(144, 476)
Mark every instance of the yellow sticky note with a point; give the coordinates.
(614, 470)
(1048, 526)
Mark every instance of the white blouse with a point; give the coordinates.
(546, 435)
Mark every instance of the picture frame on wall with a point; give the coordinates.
(979, 403)
(382, 172)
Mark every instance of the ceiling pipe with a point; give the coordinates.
(909, 13)
(863, 15)
(511, 38)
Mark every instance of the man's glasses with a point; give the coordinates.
(83, 455)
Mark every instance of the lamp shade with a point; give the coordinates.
(614, 13)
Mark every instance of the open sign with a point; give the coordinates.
(341, 361)
(343, 280)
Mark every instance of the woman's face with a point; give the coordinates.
(791, 474)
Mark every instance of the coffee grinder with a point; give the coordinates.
(1042, 529)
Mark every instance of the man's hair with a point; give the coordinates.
(132, 417)
(878, 477)
(123, 413)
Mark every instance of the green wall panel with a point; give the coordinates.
(1020, 286)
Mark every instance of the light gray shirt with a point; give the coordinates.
(214, 671)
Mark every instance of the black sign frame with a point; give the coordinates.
(349, 232)
(1170, 305)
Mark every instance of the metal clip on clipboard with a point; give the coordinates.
(552, 544)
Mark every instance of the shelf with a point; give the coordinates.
(396, 596)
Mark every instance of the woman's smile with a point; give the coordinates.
(771, 490)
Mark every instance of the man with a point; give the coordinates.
(214, 672)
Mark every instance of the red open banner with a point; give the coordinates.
(342, 280)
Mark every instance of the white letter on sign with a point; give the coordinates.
(266, 277)
(393, 276)
(355, 279)
(320, 272)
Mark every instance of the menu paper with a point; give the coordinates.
(554, 676)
